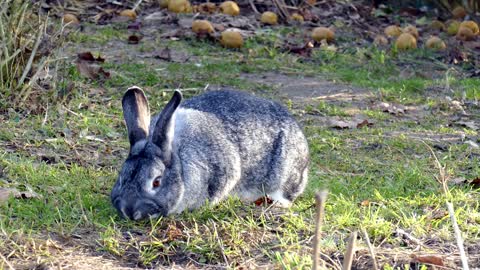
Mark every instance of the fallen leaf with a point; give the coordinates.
(5, 193)
(173, 35)
(88, 56)
(165, 54)
(263, 201)
(364, 123)
(475, 183)
(429, 259)
(173, 232)
(354, 123)
(365, 203)
(218, 27)
(304, 50)
(135, 25)
(133, 39)
(92, 72)
(438, 214)
(394, 109)
(472, 144)
(469, 124)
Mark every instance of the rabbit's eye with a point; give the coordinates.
(156, 183)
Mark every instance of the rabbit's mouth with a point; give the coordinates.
(138, 209)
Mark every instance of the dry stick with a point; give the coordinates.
(253, 6)
(280, 4)
(137, 4)
(10, 266)
(370, 248)
(458, 236)
(32, 56)
(320, 198)
(222, 248)
(348, 259)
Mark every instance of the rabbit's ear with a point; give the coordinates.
(164, 128)
(136, 114)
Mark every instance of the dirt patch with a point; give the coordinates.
(304, 89)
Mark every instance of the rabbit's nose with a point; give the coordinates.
(128, 210)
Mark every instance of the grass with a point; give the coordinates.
(379, 178)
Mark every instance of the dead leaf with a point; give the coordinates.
(457, 56)
(219, 27)
(364, 123)
(5, 193)
(460, 181)
(92, 72)
(304, 50)
(135, 25)
(365, 203)
(429, 259)
(173, 35)
(263, 201)
(353, 123)
(133, 39)
(475, 183)
(173, 232)
(469, 124)
(394, 109)
(165, 54)
(88, 56)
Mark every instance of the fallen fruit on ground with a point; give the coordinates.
(321, 33)
(435, 43)
(269, 17)
(465, 34)
(70, 18)
(411, 30)
(452, 27)
(437, 25)
(179, 6)
(406, 41)
(202, 27)
(380, 40)
(471, 25)
(393, 31)
(163, 3)
(459, 12)
(229, 8)
(296, 17)
(129, 13)
(231, 39)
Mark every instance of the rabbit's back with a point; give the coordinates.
(250, 145)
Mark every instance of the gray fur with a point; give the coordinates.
(224, 143)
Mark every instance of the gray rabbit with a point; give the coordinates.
(211, 146)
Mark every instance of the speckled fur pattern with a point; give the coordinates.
(215, 145)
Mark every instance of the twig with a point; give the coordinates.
(253, 6)
(320, 198)
(46, 116)
(458, 236)
(442, 178)
(281, 8)
(10, 266)
(32, 56)
(410, 237)
(370, 248)
(222, 248)
(348, 259)
(137, 4)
